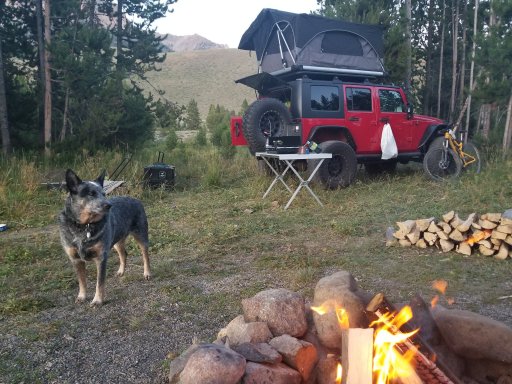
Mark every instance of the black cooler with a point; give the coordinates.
(159, 174)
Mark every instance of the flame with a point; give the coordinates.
(479, 235)
(434, 301)
(440, 286)
(331, 305)
(388, 361)
(339, 371)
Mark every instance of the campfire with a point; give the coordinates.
(347, 336)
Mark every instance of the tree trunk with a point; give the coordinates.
(63, 132)
(408, 38)
(463, 56)
(507, 136)
(472, 70)
(441, 59)
(47, 82)
(428, 66)
(455, 33)
(4, 122)
(119, 43)
(41, 49)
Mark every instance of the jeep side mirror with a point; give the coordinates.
(410, 111)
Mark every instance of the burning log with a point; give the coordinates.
(357, 355)
(428, 370)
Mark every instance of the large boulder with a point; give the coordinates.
(281, 309)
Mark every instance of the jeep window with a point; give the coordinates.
(325, 98)
(390, 101)
(359, 99)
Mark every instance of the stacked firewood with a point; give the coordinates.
(489, 234)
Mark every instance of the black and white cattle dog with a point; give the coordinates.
(91, 224)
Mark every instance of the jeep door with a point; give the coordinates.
(361, 118)
(392, 110)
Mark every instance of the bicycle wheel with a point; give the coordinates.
(472, 150)
(442, 164)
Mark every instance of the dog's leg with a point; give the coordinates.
(82, 284)
(143, 245)
(121, 251)
(101, 268)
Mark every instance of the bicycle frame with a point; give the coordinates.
(457, 146)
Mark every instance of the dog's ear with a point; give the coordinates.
(101, 178)
(72, 181)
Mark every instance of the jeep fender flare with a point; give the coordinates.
(323, 133)
(431, 133)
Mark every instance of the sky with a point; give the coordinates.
(223, 21)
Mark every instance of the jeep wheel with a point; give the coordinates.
(264, 118)
(340, 171)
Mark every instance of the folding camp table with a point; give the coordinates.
(288, 159)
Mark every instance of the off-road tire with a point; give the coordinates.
(338, 172)
(263, 118)
(440, 170)
(472, 150)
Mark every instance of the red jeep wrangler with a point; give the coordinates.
(320, 80)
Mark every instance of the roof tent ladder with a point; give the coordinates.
(280, 35)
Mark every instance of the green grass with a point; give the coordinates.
(214, 240)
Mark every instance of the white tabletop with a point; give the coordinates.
(295, 156)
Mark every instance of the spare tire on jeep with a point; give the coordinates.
(340, 171)
(264, 118)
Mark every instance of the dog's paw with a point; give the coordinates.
(120, 272)
(96, 303)
(79, 299)
(147, 276)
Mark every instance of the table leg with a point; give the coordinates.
(305, 183)
(279, 176)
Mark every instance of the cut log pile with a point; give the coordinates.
(489, 234)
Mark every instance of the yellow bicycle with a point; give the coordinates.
(448, 156)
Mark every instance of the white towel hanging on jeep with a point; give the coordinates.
(388, 143)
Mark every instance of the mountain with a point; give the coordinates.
(207, 76)
(194, 42)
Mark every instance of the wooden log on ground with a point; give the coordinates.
(447, 228)
(433, 228)
(404, 243)
(442, 235)
(485, 251)
(357, 355)
(414, 236)
(447, 217)
(508, 240)
(498, 235)
(504, 228)
(495, 217)
(430, 238)
(465, 225)
(421, 243)
(423, 224)
(456, 221)
(487, 224)
(476, 225)
(463, 248)
(404, 227)
(446, 245)
(502, 252)
(456, 235)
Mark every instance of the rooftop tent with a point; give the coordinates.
(285, 41)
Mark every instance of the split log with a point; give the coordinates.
(433, 228)
(431, 238)
(414, 236)
(505, 228)
(445, 227)
(404, 227)
(495, 217)
(446, 245)
(495, 242)
(508, 240)
(485, 243)
(485, 251)
(464, 248)
(447, 217)
(404, 243)
(456, 235)
(423, 224)
(357, 355)
(498, 235)
(442, 235)
(487, 224)
(421, 243)
(456, 221)
(464, 226)
(502, 252)
(476, 225)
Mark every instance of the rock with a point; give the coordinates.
(258, 353)
(486, 371)
(179, 363)
(475, 336)
(337, 290)
(326, 370)
(298, 354)
(213, 364)
(452, 361)
(256, 373)
(239, 332)
(281, 309)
